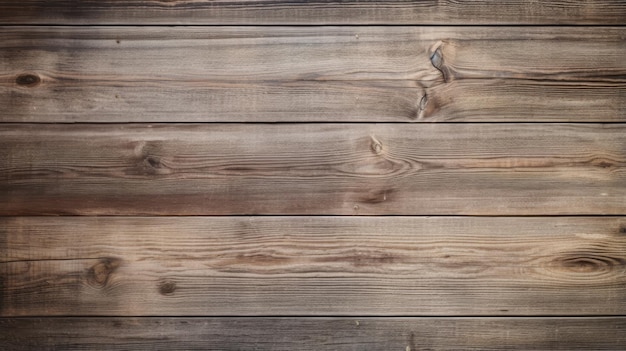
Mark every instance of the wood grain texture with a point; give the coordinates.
(334, 169)
(299, 74)
(313, 334)
(168, 266)
(313, 12)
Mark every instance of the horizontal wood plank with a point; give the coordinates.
(300, 74)
(333, 169)
(313, 12)
(137, 266)
(313, 334)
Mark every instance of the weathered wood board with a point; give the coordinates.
(313, 169)
(307, 266)
(435, 12)
(336, 334)
(312, 74)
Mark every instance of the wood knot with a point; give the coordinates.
(376, 146)
(622, 229)
(582, 264)
(604, 164)
(377, 196)
(153, 161)
(100, 273)
(28, 80)
(167, 287)
(421, 106)
(150, 165)
(436, 59)
(590, 264)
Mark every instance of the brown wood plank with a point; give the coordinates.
(136, 266)
(313, 12)
(313, 334)
(334, 169)
(299, 74)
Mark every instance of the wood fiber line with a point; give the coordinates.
(435, 12)
(169, 266)
(313, 169)
(315, 74)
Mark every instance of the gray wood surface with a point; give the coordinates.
(313, 334)
(307, 266)
(291, 218)
(333, 169)
(300, 74)
(313, 12)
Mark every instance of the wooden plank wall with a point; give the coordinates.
(312, 175)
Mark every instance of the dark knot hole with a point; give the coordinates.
(28, 80)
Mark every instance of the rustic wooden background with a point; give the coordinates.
(239, 175)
